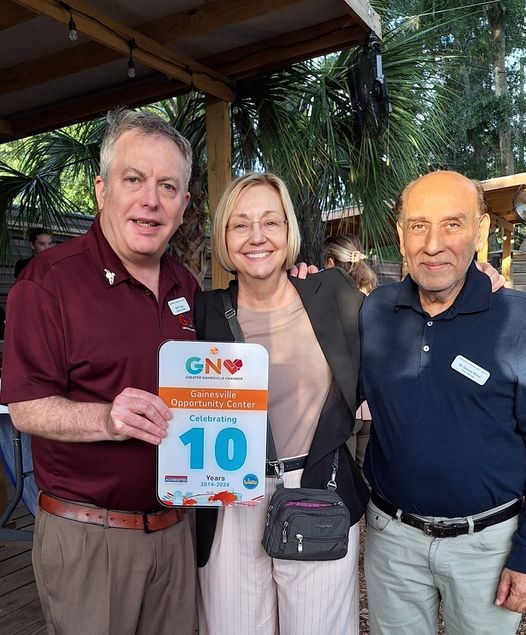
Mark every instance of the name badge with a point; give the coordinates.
(470, 370)
(179, 305)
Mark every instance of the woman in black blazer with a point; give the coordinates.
(310, 328)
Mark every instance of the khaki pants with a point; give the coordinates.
(245, 592)
(407, 574)
(98, 581)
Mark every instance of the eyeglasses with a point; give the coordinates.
(267, 227)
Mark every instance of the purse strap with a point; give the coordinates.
(272, 455)
(233, 323)
(231, 316)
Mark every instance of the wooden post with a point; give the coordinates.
(506, 254)
(507, 230)
(219, 152)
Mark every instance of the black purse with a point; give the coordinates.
(305, 523)
(302, 523)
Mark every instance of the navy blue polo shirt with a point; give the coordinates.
(444, 441)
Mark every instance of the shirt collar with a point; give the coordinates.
(113, 272)
(474, 296)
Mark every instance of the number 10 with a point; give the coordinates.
(230, 448)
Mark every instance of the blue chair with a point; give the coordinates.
(15, 450)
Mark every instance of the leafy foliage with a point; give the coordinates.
(476, 115)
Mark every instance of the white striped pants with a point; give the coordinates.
(242, 591)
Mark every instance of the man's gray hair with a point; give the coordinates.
(122, 120)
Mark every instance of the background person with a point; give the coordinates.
(346, 252)
(80, 375)
(309, 328)
(40, 239)
(444, 374)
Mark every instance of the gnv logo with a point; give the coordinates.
(196, 365)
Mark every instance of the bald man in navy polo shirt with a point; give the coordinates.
(85, 321)
(444, 372)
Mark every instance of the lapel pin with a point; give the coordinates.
(110, 276)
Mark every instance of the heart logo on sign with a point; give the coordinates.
(232, 365)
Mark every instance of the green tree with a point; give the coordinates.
(483, 68)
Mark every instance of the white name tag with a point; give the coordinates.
(179, 305)
(470, 370)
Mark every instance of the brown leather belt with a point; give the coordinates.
(147, 521)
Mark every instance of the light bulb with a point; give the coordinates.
(131, 65)
(73, 35)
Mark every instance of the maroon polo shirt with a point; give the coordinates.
(78, 326)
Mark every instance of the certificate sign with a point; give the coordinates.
(215, 450)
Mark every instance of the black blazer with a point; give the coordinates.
(332, 303)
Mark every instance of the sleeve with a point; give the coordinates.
(34, 361)
(517, 558)
(360, 391)
(352, 302)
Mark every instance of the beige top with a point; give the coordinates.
(299, 377)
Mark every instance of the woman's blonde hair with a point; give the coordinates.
(347, 253)
(228, 202)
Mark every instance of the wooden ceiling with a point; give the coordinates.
(48, 81)
(499, 194)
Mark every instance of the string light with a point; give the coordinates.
(72, 27)
(131, 64)
(72, 34)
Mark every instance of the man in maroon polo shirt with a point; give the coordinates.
(84, 324)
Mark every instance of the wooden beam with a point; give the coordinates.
(514, 180)
(5, 127)
(238, 63)
(114, 35)
(13, 14)
(55, 66)
(166, 30)
(365, 15)
(219, 157)
(282, 50)
(241, 62)
(211, 16)
(137, 93)
(506, 229)
(507, 232)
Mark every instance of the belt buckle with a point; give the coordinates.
(437, 530)
(279, 468)
(428, 528)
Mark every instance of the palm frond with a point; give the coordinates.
(28, 199)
